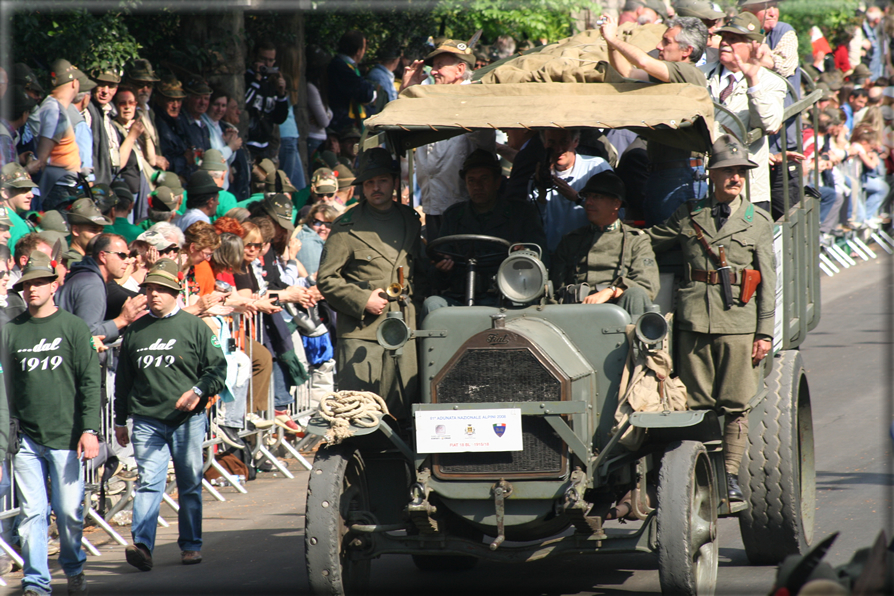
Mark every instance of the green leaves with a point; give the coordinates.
(833, 17)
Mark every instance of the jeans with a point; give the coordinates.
(154, 443)
(668, 189)
(282, 397)
(290, 161)
(876, 191)
(33, 464)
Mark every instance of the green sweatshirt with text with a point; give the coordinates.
(53, 376)
(160, 360)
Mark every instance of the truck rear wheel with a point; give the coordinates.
(778, 474)
(336, 490)
(687, 521)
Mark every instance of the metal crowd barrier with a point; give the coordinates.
(263, 431)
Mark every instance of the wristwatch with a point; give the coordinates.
(198, 391)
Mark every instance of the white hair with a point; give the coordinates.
(171, 233)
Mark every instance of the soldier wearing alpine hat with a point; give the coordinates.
(614, 260)
(725, 326)
(372, 246)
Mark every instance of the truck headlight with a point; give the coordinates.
(521, 278)
(651, 328)
(393, 332)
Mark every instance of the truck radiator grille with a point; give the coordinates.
(503, 375)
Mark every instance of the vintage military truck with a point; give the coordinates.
(545, 376)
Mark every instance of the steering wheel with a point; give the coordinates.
(465, 239)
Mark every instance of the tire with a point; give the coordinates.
(778, 476)
(687, 521)
(336, 489)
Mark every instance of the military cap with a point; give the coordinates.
(169, 179)
(170, 87)
(62, 72)
(658, 6)
(834, 79)
(727, 152)
(84, 211)
(861, 71)
(745, 24)
(165, 273)
(480, 158)
(267, 166)
(52, 238)
(606, 183)
(458, 48)
(142, 71)
(24, 76)
(330, 159)
(350, 132)
(344, 175)
(40, 266)
(107, 77)
(54, 229)
(700, 9)
(375, 162)
(162, 199)
(21, 101)
(54, 221)
(102, 196)
(278, 182)
(213, 161)
(279, 208)
(201, 183)
(70, 256)
(632, 5)
(12, 175)
(157, 240)
(196, 86)
(120, 190)
(86, 83)
(323, 181)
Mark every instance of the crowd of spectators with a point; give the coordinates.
(108, 172)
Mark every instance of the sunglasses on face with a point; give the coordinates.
(325, 224)
(254, 245)
(327, 195)
(4, 274)
(121, 255)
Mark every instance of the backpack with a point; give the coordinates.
(646, 386)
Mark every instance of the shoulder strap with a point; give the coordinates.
(699, 233)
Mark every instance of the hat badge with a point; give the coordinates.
(750, 26)
(733, 149)
(461, 47)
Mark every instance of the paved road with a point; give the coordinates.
(253, 543)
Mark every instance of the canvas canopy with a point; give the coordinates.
(561, 85)
(674, 114)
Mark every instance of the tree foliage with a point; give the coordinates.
(833, 17)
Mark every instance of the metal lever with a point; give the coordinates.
(502, 489)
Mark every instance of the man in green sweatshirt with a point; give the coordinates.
(54, 382)
(170, 365)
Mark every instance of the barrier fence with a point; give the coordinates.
(259, 431)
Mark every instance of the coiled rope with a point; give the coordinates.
(344, 409)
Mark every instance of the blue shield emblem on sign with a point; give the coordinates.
(500, 429)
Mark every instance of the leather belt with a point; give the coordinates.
(693, 162)
(712, 277)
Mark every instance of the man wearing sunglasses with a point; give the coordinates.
(84, 293)
(323, 188)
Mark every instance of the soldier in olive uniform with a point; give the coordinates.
(615, 260)
(362, 257)
(720, 345)
(485, 213)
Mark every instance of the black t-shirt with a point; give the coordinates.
(116, 296)
(247, 280)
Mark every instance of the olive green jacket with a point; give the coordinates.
(620, 257)
(353, 264)
(747, 237)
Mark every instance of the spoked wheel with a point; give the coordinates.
(337, 493)
(687, 521)
(778, 474)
